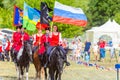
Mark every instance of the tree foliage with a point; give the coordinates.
(101, 10)
(97, 11)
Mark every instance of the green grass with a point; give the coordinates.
(73, 72)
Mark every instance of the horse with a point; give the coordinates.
(56, 63)
(23, 60)
(39, 65)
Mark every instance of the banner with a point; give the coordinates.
(44, 18)
(18, 16)
(69, 15)
(30, 17)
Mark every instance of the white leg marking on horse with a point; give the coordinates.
(17, 70)
(27, 76)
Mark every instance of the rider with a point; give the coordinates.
(25, 37)
(16, 39)
(55, 41)
(38, 42)
(47, 37)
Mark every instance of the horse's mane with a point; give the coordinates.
(55, 53)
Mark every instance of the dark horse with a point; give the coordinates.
(56, 63)
(23, 60)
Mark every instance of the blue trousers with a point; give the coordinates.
(102, 53)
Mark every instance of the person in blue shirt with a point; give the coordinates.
(87, 48)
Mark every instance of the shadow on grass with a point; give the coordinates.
(13, 78)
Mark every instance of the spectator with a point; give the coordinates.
(7, 49)
(4, 41)
(87, 48)
(79, 49)
(101, 45)
(74, 48)
(64, 43)
(95, 51)
(112, 51)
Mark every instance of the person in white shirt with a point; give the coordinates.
(95, 51)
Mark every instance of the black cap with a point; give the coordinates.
(47, 28)
(19, 27)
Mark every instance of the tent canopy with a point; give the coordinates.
(110, 28)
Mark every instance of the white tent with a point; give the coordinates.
(110, 28)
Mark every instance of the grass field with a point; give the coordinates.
(73, 72)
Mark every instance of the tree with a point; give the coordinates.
(7, 8)
(101, 10)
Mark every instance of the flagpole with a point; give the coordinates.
(51, 25)
(52, 21)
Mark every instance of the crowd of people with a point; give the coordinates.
(83, 50)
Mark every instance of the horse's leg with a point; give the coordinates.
(18, 72)
(18, 69)
(38, 70)
(45, 69)
(22, 72)
(59, 76)
(37, 65)
(27, 69)
(56, 75)
(43, 73)
(51, 73)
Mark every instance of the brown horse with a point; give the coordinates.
(40, 73)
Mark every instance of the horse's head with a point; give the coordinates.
(57, 58)
(28, 49)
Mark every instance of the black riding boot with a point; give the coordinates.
(15, 56)
(65, 60)
(12, 54)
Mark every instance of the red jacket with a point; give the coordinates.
(46, 38)
(39, 40)
(7, 46)
(25, 36)
(17, 43)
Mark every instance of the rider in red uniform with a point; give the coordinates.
(39, 42)
(55, 41)
(24, 34)
(17, 43)
(25, 37)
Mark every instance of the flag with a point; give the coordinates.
(18, 16)
(69, 15)
(30, 17)
(44, 18)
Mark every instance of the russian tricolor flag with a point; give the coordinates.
(69, 15)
